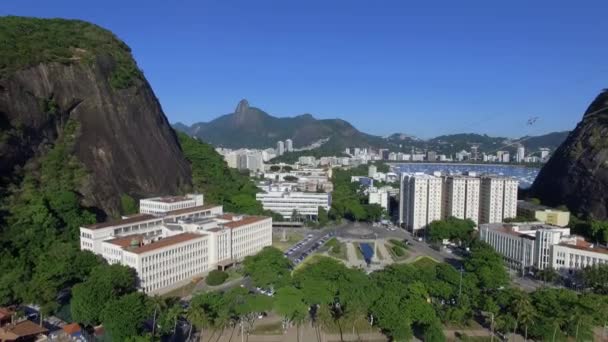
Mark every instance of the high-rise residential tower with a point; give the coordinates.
(289, 145)
(421, 200)
(280, 148)
(462, 197)
(498, 199)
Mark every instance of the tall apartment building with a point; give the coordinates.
(521, 154)
(289, 145)
(498, 199)
(421, 200)
(286, 202)
(170, 247)
(462, 197)
(280, 148)
(534, 246)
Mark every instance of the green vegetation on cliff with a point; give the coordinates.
(27, 42)
(219, 183)
(39, 249)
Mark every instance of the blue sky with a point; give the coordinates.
(420, 67)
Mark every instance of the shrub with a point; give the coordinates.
(398, 243)
(398, 251)
(216, 277)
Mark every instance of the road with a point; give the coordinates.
(363, 231)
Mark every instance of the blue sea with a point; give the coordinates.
(525, 175)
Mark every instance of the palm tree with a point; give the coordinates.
(524, 313)
(159, 304)
(197, 316)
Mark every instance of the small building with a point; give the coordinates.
(542, 213)
(6, 315)
(22, 331)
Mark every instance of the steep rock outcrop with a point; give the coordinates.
(577, 173)
(124, 141)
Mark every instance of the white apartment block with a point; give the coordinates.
(280, 148)
(498, 199)
(170, 249)
(539, 246)
(286, 202)
(289, 145)
(462, 197)
(379, 196)
(421, 200)
(163, 205)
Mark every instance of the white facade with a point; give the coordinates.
(379, 196)
(544, 154)
(462, 197)
(521, 154)
(280, 148)
(498, 199)
(371, 171)
(540, 246)
(516, 248)
(289, 145)
(421, 200)
(163, 205)
(577, 254)
(169, 250)
(285, 202)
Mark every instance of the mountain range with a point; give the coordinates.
(251, 127)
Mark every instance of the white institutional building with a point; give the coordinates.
(285, 202)
(528, 246)
(175, 239)
(426, 198)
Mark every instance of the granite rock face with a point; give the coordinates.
(124, 141)
(577, 173)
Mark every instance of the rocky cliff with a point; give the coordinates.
(71, 71)
(577, 173)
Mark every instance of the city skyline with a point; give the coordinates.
(449, 68)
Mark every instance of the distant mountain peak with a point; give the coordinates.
(242, 107)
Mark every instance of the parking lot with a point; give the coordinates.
(308, 245)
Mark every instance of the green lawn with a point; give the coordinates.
(361, 325)
(425, 262)
(268, 329)
(184, 290)
(292, 238)
(336, 249)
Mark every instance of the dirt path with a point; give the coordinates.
(351, 254)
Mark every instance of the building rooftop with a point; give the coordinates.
(21, 330)
(5, 313)
(192, 209)
(129, 220)
(244, 221)
(169, 199)
(585, 246)
(127, 241)
(172, 240)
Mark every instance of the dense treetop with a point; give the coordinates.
(27, 42)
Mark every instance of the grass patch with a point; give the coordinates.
(361, 325)
(397, 252)
(268, 329)
(425, 262)
(336, 249)
(183, 291)
(399, 243)
(292, 238)
(311, 259)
